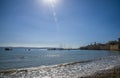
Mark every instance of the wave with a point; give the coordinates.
(67, 70)
(43, 66)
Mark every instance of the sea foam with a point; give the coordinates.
(66, 70)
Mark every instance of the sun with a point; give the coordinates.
(53, 3)
(50, 1)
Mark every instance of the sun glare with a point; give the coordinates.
(50, 1)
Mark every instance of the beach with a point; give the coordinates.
(110, 73)
(98, 68)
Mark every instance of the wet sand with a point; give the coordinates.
(111, 73)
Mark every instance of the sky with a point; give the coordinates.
(65, 23)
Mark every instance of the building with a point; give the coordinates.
(115, 46)
(111, 45)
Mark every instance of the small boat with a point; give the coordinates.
(8, 49)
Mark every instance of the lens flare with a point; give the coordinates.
(52, 4)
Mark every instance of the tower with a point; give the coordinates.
(119, 43)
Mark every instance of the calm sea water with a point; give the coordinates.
(20, 58)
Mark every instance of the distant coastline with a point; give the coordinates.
(111, 45)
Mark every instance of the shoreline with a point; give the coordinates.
(110, 73)
(91, 69)
(43, 67)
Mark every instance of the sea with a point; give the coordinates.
(25, 58)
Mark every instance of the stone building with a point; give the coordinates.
(111, 45)
(115, 46)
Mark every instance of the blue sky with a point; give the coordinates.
(79, 22)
